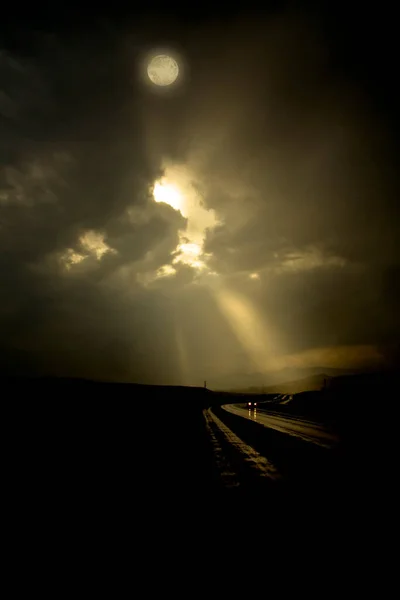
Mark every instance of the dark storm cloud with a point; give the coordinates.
(293, 157)
(73, 161)
(305, 144)
(301, 168)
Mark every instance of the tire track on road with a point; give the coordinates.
(244, 462)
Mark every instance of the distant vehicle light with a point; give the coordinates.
(255, 403)
(249, 403)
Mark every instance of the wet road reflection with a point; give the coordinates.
(253, 414)
(306, 430)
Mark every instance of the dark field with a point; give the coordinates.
(101, 458)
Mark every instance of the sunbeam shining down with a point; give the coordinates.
(177, 190)
(248, 327)
(198, 229)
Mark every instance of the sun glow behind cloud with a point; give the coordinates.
(169, 194)
(91, 243)
(177, 190)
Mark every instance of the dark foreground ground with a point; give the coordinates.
(93, 460)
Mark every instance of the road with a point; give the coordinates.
(306, 430)
(255, 464)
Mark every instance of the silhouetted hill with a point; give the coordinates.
(263, 382)
(57, 384)
(345, 398)
(83, 449)
(307, 384)
(315, 382)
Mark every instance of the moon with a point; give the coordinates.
(162, 70)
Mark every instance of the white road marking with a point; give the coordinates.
(254, 460)
(226, 471)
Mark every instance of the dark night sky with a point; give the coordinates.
(281, 135)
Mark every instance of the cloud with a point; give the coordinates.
(308, 259)
(353, 356)
(287, 207)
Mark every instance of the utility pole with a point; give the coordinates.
(205, 384)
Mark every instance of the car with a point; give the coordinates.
(251, 404)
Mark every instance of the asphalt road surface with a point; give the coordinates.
(236, 461)
(306, 430)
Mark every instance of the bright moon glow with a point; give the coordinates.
(163, 70)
